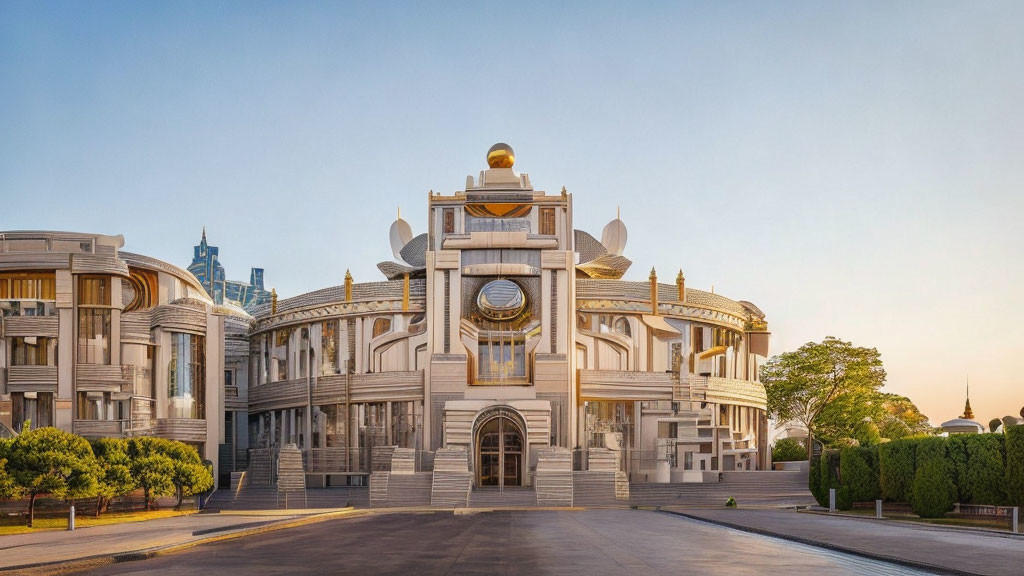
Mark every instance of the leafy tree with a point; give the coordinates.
(994, 424)
(1015, 466)
(190, 476)
(54, 462)
(115, 477)
(788, 450)
(9, 488)
(151, 467)
(900, 418)
(829, 387)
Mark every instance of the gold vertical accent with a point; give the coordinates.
(348, 286)
(273, 300)
(405, 292)
(681, 285)
(654, 292)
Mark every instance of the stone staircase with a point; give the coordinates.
(594, 488)
(451, 482)
(261, 467)
(291, 475)
(553, 482)
(266, 498)
(379, 485)
(511, 496)
(409, 490)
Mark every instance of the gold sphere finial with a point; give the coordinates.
(501, 155)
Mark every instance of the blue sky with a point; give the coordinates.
(853, 168)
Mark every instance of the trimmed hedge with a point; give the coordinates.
(983, 482)
(814, 483)
(1014, 474)
(859, 473)
(788, 450)
(896, 469)
(956, 451)
(830, 474)
(934, 492)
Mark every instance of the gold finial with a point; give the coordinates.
(348, 286)
(618, 213)
(405, 292)
(654, 292)
(501, 155)
(681, 285)
(564, 192)
(273, 300)
(968, 413)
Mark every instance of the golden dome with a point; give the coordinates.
(501, 155)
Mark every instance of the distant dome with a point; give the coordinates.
(501, 155)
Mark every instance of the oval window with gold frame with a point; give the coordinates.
(501, 300)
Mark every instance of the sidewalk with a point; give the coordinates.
(943, 550)
(143, 537)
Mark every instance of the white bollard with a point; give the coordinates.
(831, 499)
(71, 517)
(1016, 519)
(878, 508)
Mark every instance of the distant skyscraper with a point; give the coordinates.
(208, 270)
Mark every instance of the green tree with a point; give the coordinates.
(190, 476)
(9, 488)
(934, 491)
(115, 477)
(900, 418)
(829, 387)
(54, 462)
(151, 467)
(858, 471)
(788, 450)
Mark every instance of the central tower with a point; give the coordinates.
(499, 271)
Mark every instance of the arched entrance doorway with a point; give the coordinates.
(499, 450)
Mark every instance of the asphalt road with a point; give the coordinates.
(592, 542)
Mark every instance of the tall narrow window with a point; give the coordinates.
(546, 221)
(93, 320)
(329, 344)
(449, 221)
(33, 351)
(186, 382)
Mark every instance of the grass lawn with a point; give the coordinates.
(16, 525)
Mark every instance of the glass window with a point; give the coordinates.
(34, 407)
(381, 326)
(281, 352)
(28, 286)
(303, 352)
(403, 425)
(546, 221)
(502, 359)
(33, 351)
(93, 336)
(448, 226)
(329, 345)
(96, 406)
(186, 383)
(93, 291)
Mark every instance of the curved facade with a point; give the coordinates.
(502, 331)
(107, 343)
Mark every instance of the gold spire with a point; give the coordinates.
(968, 413)
(681, 285)
(405, 292)
(273, 300)
(654, 292)
(348, 286)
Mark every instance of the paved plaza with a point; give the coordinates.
(592, 542)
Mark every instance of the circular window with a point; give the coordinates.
(501, 300)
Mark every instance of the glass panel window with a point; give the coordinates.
(93, 291)
(96, 406)
(448, 225)
(329, 345)
(186, 383)
(28, 286)
(546, 221)
(381, 326)
(281, 352)
(33, 351)
(93, 336)
(502, 359)
(35, 408)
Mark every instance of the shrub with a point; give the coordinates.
(814, 482)
(54, 462)
(956, 451)
(859, 475)
(115, 478)
(151, 467)
(985, 470)
(731, 502)
(896, 469)
(933, 488)
(1015, 466)
(789, 450)
(830, 474)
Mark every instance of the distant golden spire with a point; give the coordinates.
(348, 286)
(273, 300)
(968, 413)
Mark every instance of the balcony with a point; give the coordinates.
(101, 428)
(624, 385)
(722, 391)
(32, 379)
(183, 429)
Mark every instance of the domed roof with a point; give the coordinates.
(501, 155)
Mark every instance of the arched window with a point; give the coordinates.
(381, 326)
(622, 327)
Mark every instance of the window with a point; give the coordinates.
(93, 291)
(33, 351)
(622, 327)
(186, 382)
(381, 326)
(304, 352)
(229, 378)
(502, 360)
(448, 221)
(36, 407)
(546, 221)
(28, 286)
(329, 345)
(281, 352)
(93, 336)
(99, 406)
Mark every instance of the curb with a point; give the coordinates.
(827, 546)
(241, 530)
(924, 525)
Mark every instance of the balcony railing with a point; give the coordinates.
(100, 428)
